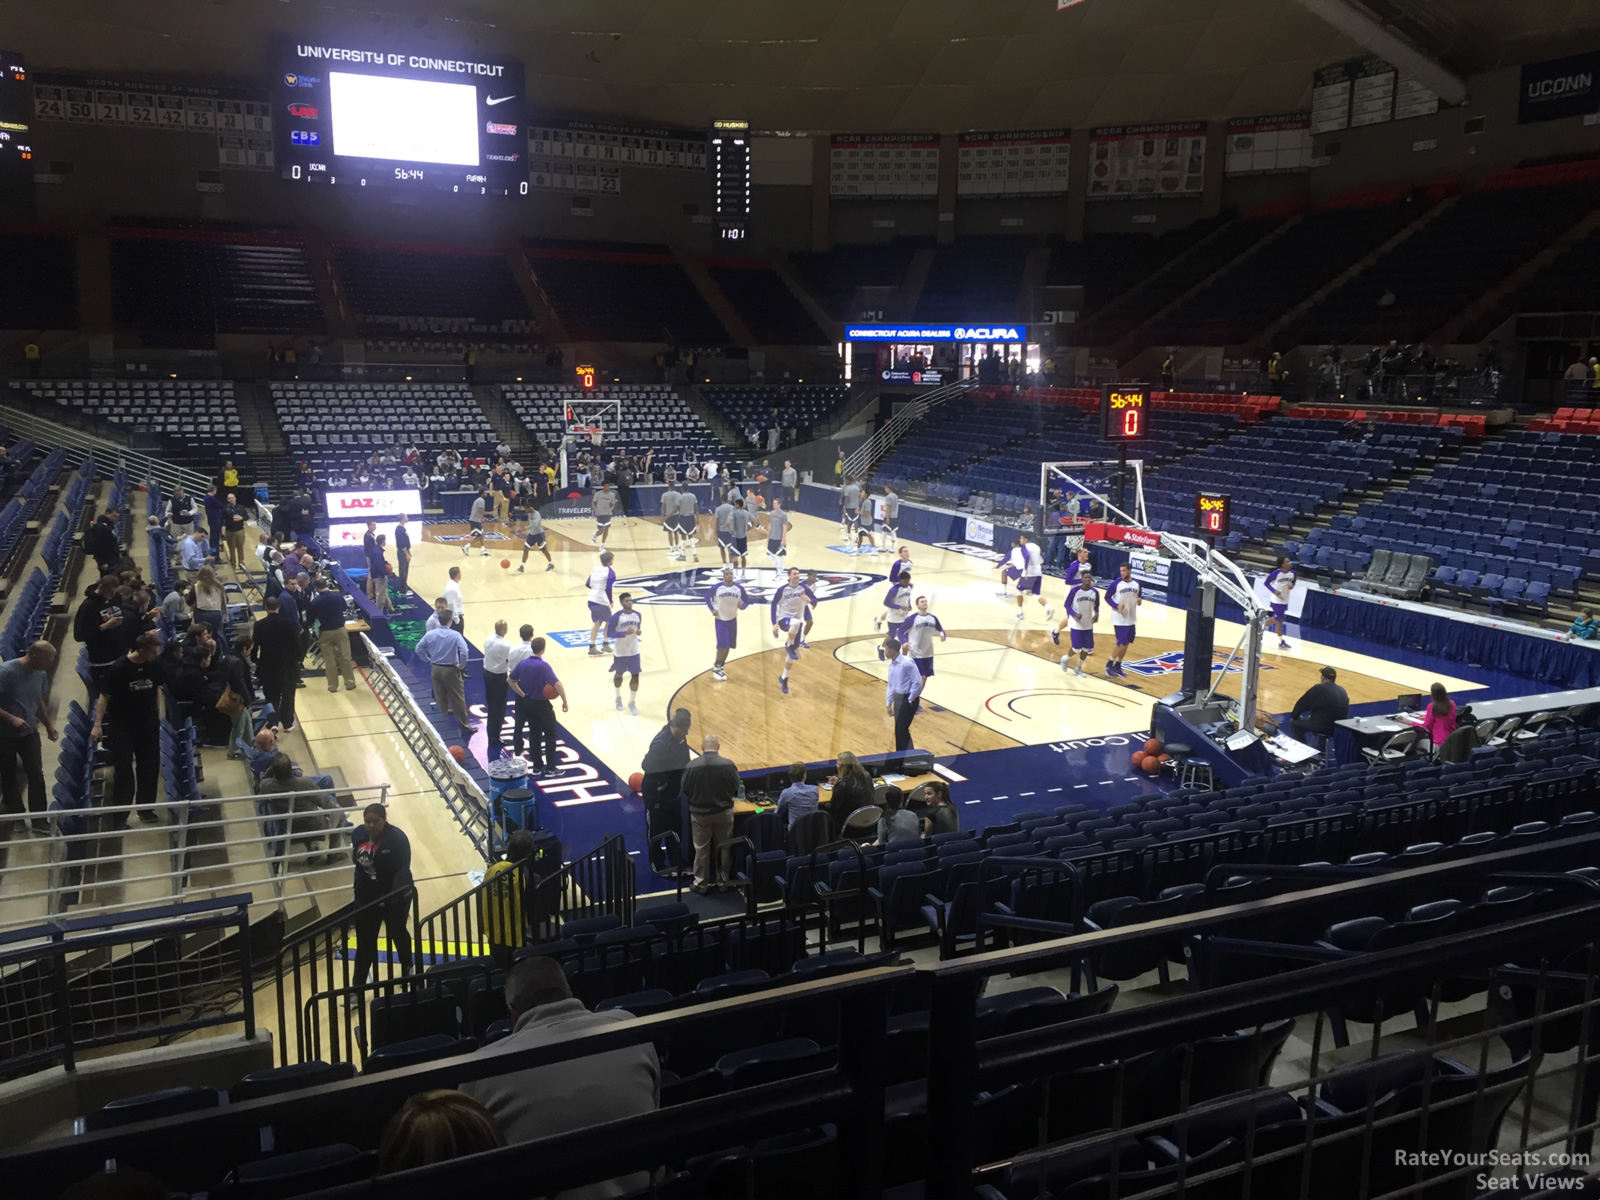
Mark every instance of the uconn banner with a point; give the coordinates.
(1558, 87)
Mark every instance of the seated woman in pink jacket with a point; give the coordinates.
(1439, 720)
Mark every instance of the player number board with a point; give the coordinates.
(1125, 413)
(1212, 514)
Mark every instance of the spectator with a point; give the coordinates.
(234, 518)
(327, 615)
(104, 631)
(213, 506)
(266, 749)
(101, 543)
(24, 692)
(711, 783)
(440, 617)
(128, 709)
(541, 1102)
(194, 553)
(529, 679)
(663, 768)
(1584, 626)
(402, 550)
(180, 510)
(230, 475)
(312, 810)
(940, 814)
(445, 651)
(898, 823)
(210, 601)
(799, 799)
(378, 577)
(277, 657)
(381, 853)
(852, 787)
(1439, 720)
(237, 668)
(1323, 704)
(434, 1127)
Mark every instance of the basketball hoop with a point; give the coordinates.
(593, 434)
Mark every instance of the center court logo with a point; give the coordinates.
(690, 587)
(1171, 663)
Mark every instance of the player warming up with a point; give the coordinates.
(722, 516)
(669, 519)
(726, 600)
(1083, 610)
(890, 507)
(866, 520)
(623, 630)
(600, 582)
(900, 565)
(1280, 582)
(739, 522)
(605, 506)
(850, 510)
(689, 523)
(535, 539)
(1125, 600)
(789, 603)
(1027, 564)
(805, 632)
(918, 633)
(896, 611)
(778, 523)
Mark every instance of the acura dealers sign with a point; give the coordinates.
(369, 506)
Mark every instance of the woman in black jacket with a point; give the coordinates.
(381, 853)
(852, 788)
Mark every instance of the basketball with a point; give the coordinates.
(1138, 759)
(550, 691)
(1151, 764)
(1153, 746)
(505, 563)
(636, 781)
(459, 753)
(1162, 758)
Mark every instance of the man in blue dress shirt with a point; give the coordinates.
(904, 692)
(445, 651)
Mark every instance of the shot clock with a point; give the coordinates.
(1125, 413)
(1213, 513)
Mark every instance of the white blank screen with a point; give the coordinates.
(408, 120)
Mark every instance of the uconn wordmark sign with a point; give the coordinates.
(1558, 87)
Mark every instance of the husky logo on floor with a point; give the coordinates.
(458, 538)
(1171, 663)
(690, 587)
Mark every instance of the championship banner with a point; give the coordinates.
(1269, 145)
(884, 166)
(1147, 162)
(1030, 162)
(196, 108)
(610, 145)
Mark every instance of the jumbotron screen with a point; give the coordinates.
(352, 116)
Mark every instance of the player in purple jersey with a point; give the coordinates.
(1083, 610)
(789, 604)
(896, 611)
(726, 600)
(623, 630)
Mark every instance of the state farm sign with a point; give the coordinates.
(350, 506)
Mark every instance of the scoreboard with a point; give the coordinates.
(730, 164)
(16, 146)
(1124, 413)
(1213, 514)
(354, 116)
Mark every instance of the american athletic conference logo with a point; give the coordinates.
(690, 587)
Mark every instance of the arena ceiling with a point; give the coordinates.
(815, 65)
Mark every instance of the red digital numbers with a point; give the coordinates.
(1132, 422)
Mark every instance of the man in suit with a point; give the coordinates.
(278, 654)
(581, 1092)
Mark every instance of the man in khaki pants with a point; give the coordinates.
(711, 784)
(327, 610)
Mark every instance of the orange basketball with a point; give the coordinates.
(1153, 746)
(1151, 764)
(1136, 756)
(459, 753)
(550, 691)
(636, 781)
(504, 563)
(1161, 758)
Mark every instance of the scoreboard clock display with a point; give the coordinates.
(1125, 413)
(1213, 513)
(730, 166)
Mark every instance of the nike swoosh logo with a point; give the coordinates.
(497, 99)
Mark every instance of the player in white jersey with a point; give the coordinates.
(1082, 611)
(1028, 564)
(1125, 600)
(623, 629)
(805, 632)
(896, 612)
(902, 562)
(726, 600)
(669, 519)
(1280, 582)
(789, 604)
(918, 633)
(600, 582)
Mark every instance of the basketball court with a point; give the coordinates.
(997, 697)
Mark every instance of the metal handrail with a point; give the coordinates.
(892, 430)
(110, 456)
